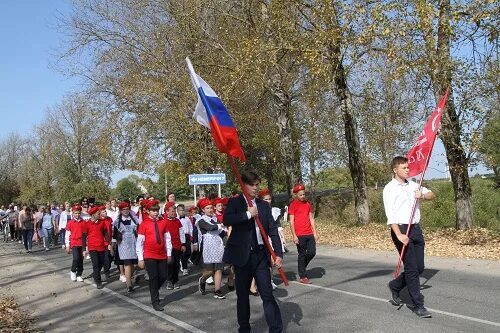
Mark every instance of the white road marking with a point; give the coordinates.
(152, 311)
(450, 314)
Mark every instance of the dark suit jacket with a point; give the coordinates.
(238, 245)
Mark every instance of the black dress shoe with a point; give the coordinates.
(99, 285)
(395, 300)
(157, 307)
(420, 311)
(254, 293)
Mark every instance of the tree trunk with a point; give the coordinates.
(356, 164)
(450, 126)
(289, 145)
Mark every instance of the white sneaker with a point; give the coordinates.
(210, 281)
(87, 257)
(185, 272)
(63, 246)
(79, 279)
(123, 278)
(273, 285)
(146, 276)
(72, 276)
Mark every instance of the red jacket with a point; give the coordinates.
(174, 227)
(108, 223)
(96, 235)
(77, 229)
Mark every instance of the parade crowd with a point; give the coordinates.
(220, 235)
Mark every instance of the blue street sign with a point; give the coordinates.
(206, 179)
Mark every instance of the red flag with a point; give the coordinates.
(420, 153)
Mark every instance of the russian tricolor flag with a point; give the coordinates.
(212, 113)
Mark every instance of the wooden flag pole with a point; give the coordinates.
(257, 219)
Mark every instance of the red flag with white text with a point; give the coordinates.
(420, 153)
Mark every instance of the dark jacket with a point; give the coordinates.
(238, 245)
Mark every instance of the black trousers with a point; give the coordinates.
(157, 271)
(97, 258)
(306, 250)
(257, 267)
(413, 260)
(186, 254)
(108, 259)
(174, 266)
(77, 264)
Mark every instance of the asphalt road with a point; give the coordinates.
(348, 294)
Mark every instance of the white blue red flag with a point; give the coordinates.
(212, 113)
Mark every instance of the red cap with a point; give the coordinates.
(168, 205)
(298, 187)
(124, 204)
(76, 208)
(263, 193)
(204, 202)
(151, 203)
(93, 210)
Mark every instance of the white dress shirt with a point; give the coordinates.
(399, 199)
(257, 230)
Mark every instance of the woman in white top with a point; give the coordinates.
(64, 218)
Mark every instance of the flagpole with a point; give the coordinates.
(401, 255)
(257, 219)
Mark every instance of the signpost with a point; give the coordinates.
(206, 179)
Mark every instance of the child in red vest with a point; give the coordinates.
(97, 237)
(154, 249)
(303, 230)
(178, 239)
(76, 242)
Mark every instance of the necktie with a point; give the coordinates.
(255, 243)
(157, 232)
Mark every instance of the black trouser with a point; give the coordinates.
(97, 258)
(157, 271)
(186, 254)
(77, 264)
(257, 267)
(13, 232)
(307, 250)
(174, 266)
(413, 260)
(108, 259)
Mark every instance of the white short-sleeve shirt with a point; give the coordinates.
(399, 199)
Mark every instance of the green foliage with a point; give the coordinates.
(436, 214)
(490, 146)
(126, 188)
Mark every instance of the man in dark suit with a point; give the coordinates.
(246, 251)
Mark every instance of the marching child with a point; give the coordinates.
(303, 230)
(154, 250)
(76, 242)
(97, 234)
(124, 234)
(187, 229)
(178, 239)
(108, 253)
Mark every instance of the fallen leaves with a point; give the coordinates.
(478, 243)
(13, 319)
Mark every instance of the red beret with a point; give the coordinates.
(124, 204)
(204, 202)
(93, 210)
(143, 203)
(168, 205)
(152, 203)
(299, 187)
(102, 207)
(263, 193)
(192, 208)
(225, 200)
(76, 208)
(218, 201)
